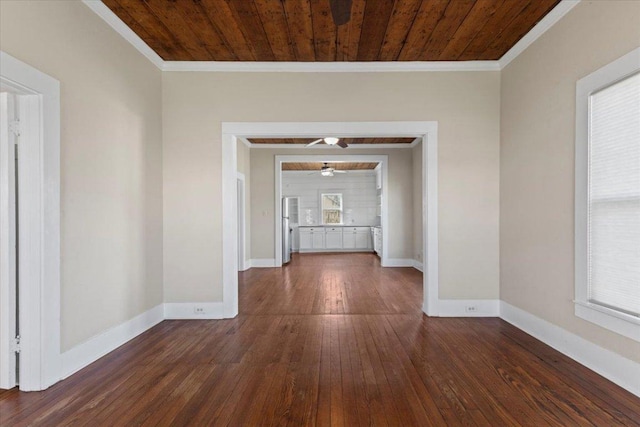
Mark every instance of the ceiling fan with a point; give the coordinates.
(327, 170)
(341, 11)
(329, 141)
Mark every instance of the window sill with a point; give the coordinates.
(620, 323)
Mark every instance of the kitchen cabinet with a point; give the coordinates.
(348, 240)
(363, 239)
(356, 238)
(333, 238)
(377, 240)
(311, 238)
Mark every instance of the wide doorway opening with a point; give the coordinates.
(424, 132)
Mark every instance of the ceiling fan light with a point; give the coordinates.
(331, 140)
(326, 172)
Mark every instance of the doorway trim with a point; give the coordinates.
(242, 224)
(383, 160)
(231, 131)
(40, 361)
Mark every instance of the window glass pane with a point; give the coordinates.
(332, 217)
(614, 196)
(332, 201)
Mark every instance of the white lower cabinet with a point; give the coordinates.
(333, 238)
(318, 239)
(311, 238)
(348, 240)
(326, 239)
(363, 239)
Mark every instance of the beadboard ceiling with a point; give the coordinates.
(303, 30)
(316, 166)
(349, 141)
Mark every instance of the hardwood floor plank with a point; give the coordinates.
(329, 340)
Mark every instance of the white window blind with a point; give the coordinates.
(614, 196)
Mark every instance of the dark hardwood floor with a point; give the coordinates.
(329, 340)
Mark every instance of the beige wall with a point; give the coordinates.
(417, 203)
(465, 104)
(537, 163)
(263, 198)
(111, 161)
(244, 167)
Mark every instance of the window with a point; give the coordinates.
(331, 208)
(608, 196)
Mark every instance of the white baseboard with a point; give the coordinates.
(398, 262)
(246, 266)
(89, 351)
(262, 263)
(194, 310)
(618, 369)
(418, 265)
(468, 308)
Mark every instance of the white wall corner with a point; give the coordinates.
(537, 31)
(93, 349)
(123, 29)
(618, 369)
(418, 265)
(262, 263)
(195, 310)
(468, 308)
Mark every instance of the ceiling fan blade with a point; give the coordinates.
(314, 142)
(342, 144)
(341, 11)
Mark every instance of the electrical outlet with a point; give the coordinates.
(471, 309)
(199, 310)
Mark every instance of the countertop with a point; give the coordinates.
(336, 226)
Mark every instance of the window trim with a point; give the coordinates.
(614, 320)
(322, 209)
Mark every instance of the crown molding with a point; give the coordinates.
(538, 30)
(123, 29)
(330, 67)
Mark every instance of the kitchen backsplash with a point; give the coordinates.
(358, 190)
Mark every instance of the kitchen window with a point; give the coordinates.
(331, 208)
(607, 246)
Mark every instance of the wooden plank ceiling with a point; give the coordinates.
(303, 30)
(349, 141)
(316, 166)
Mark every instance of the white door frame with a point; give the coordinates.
(332, 158)
(39, 222)
(231, 131)
(242, 227)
